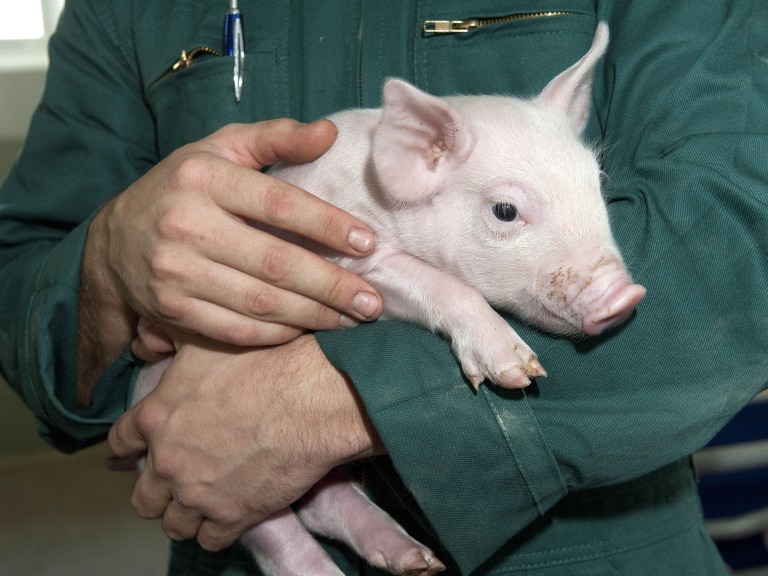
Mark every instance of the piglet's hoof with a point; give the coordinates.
(416, 562)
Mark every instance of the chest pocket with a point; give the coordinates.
(199, 98)
(513, 47)
(192, 103)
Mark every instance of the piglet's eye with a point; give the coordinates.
(504, 211)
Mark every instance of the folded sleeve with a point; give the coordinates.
(682, 109)
(83, 147)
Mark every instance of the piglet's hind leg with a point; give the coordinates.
(282, 546)
(337, 508)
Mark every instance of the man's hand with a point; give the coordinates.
(176, 248)
(233, 435)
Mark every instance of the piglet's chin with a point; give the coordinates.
(612, 307)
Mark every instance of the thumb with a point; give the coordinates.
(262, 144)
(153, 341)
(124, 436)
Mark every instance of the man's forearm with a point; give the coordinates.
(106, 325)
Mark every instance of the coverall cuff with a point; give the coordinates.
(476, 462)
(50, 351)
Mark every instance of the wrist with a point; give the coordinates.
(363, 440)
(343, 428)
(106, 324)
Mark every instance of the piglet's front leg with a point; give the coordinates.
(484, 343)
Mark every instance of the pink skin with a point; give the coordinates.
(432, 171)
(613, 306)
(427, 174)
(282, 546)
(337, 508)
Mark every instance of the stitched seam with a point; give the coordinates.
(102, 11)
(591, 556)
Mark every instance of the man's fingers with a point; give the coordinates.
(181, 522)
(283, 140)
(239, 188)
(224, 325)
(273, 202)
(262, 302)
(151, 496)
(289, 267)
(152, 343)
(124, 438)
(214, 537)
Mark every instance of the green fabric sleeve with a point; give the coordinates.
(448, 443)
(684, 116)
(79, 153)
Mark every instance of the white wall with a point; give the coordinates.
(20, 91)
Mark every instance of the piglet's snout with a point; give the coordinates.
(609, 301)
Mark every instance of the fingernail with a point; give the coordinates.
(365, 304)
(347, 321)
(361, 240)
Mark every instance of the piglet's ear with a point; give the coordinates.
(420, 140)
(570, 92)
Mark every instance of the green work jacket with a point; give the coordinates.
(584, 472)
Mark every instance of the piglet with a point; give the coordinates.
(477, 202)
(481, 201)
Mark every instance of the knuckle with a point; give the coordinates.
(190, 170)
(322, 318)
(210, 543)
(115, 437)
(176, 222)
(277, 129)
(333, 226)
(227, 517)
(162, 265)
(137, 503)
(169, 308)
(176, 535)
(166, 465)
(261, 300)
(217, 537)
(284, 124)
(277, 264)
(228, 131)
(190, 497)
(150, 417)
(335, 284)
(277, 202)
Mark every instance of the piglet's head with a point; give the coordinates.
(502, 193)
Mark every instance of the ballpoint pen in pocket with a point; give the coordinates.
(234, 45)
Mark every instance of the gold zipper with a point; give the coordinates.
(186, 59)
(462, 26)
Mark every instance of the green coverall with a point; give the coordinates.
(584, 473)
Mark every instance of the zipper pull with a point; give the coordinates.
(186, 58)
(185, 61)
(449, 26)
(461, 26)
